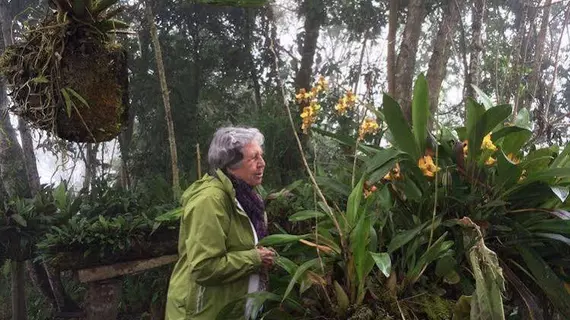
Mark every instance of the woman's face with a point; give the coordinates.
(252, 165)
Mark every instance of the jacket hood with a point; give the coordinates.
(219, 180)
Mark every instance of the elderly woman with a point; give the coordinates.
(222, 221)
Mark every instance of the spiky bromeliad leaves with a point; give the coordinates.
(67, 76)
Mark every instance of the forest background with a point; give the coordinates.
(227, 65)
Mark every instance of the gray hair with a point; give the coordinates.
(227, 144)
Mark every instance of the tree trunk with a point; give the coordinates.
(90, 160)
(248, 35)
(520, 10)
(166, 100)
(442, 50)
(314, 16)
(27, 141)
(313, 11)
(406, 62)
(474, 75)
(18, 290)
(392, 29)
(536, 69)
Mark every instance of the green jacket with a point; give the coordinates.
(216, 249)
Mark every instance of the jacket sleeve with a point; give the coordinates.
(210, 262)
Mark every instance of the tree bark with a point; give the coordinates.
(392, 29)
(536, 69)
(90, 160)
(520, 10)
(166, 100)
(474, 75)
(406, 62)
(6, 17)
(442, 50)
(18, 290)
(314, 17)
(248, 39)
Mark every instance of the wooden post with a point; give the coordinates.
(103, 299)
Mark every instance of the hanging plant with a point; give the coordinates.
(67, 76)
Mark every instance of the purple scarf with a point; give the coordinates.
(252, 204)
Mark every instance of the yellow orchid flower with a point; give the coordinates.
(488, 143)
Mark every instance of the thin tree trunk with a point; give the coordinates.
(314, 16)
(89, 158)
(248, 33)
(27, 141)
(536, 69)
(406, 62)
(18, 290)
(166, 100)
(442, 51)
(512, 87)
(392, 29)
(474, 75)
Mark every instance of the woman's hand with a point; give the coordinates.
(267, 257)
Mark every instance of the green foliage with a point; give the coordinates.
(397, 234)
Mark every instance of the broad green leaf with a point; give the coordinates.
(554, 236)
(280, 239)
(523, 119)
(171, 215)
(286, 264)
(560, 192)
(373, 245)
(306, 215)
(404, 237)
(562, 158)
(513, 142)
(547, 280)
(420, 112)
(341, 298)
(332, 184)
(381, 158)
(403, 137)
(353, 203)
(474, 112)
(381, 172)
(506, 131)
(484, 97)
(383, 262)
(537, 160)
(507, 173)
(298, 274)
(60, 197)
(445, 265)
(359, 240)
(19, 220)
(347, 141)
(551, 226)
(437, 249)
(486, 123)
(548, 174)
